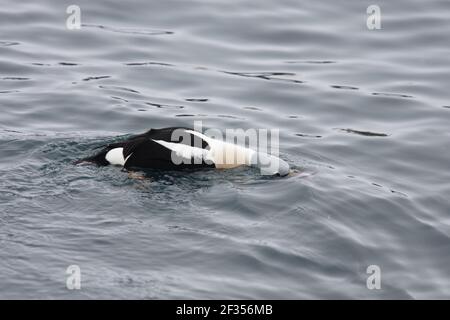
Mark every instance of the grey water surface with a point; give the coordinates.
(364, 117)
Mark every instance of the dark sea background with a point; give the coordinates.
(364, 116)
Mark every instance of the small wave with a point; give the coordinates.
(96, 78)
(129, 30)
(344, 87)
(185, 115)
(69, 64)
(119, 98)
(41, 64)
(252, 108)
(160, 105)
(365, 133)
(15, 78)
(399, 193)
(149, 63)
(229, 116)
(261, 75)
(395, 95)
(118, 88)
(266, 76)
(303, 135)
(312, 61)
(197, 100)
(8, 43)
(388, 189)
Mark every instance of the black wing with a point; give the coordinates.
(143, 152)
(169, 135)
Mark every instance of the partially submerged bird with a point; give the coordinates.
(182, 148)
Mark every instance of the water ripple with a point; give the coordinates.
(365, 133)
(136, 31)
(8, 43)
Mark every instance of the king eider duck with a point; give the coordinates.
(178, 148)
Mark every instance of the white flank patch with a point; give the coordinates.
(225, 154)
(115, 157)
(186, 152)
